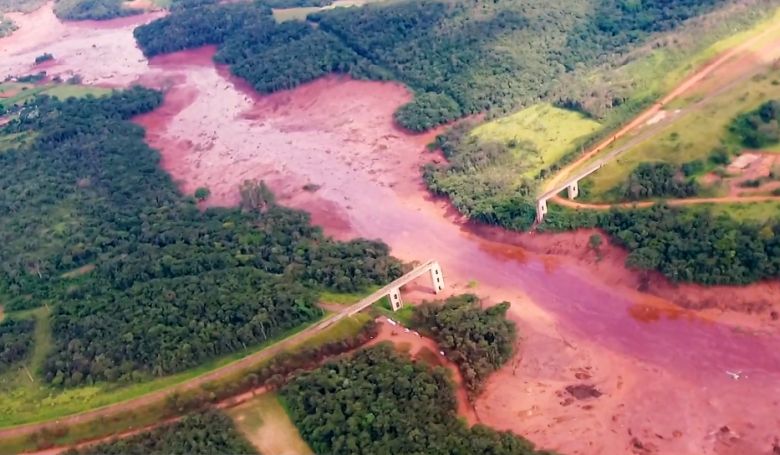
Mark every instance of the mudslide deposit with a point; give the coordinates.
(663, 382)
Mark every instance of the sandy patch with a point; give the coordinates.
(268, 427)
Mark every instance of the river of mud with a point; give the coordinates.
(664, 379)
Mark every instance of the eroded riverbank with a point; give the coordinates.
(664, 383)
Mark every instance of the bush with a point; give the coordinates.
(378, 402)
(426, 111)
(758, 128)
(649, 180)
(202, 193)
(43, 58)
(719, 156)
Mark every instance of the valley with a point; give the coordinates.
(332, 147)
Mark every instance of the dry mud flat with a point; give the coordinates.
(663, 382)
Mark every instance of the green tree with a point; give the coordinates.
(202, 193)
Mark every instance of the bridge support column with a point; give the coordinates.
(437, 279)
(574, 189)
(541, 210)
(395, 299)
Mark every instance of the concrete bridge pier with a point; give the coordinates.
(395, 298)
(574, 189)
(437, 279)
(541, 210)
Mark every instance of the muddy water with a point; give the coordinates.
(665, 381)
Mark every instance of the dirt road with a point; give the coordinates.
(648, 114)
(674, 202)
(237, 366)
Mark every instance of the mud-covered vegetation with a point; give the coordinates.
(7, 26)
(205, 433)
(16, 341)
(77, 10)
(651, 180)
(142, 282)
(479, 341)
(454, 55)
(378, 401)
(759, 128)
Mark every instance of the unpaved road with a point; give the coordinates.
(675, 202)
(234, 367)
(688, 84)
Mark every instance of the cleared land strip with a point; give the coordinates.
(238, 365)
(553, 184)
(675, 202)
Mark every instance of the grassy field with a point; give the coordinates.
(692, 135)
(547, 133)
(757, 211)
(267, 426)
(16, 93)
(345, 298)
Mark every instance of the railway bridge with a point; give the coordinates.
(571, 185)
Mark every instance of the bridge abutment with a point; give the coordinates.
(574, 189)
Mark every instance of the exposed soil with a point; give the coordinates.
(662, 371)
(659, 298)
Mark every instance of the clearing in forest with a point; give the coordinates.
(267, 426)
(543, 134)
(299, 13)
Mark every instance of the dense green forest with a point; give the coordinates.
(379, 402)
(758, 128)
(456, 55)
(651, 180)
(16, 341)
(694, 245)
(205, 433)
(478, 340)
(141, 280)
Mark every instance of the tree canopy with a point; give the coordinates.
(141, 281)
(378, 402)
(758, 128)
(205, 433)
(16, 341)
(453, 55)
(478, 340)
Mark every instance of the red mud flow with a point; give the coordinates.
(668, 385)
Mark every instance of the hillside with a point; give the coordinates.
(459, 57)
